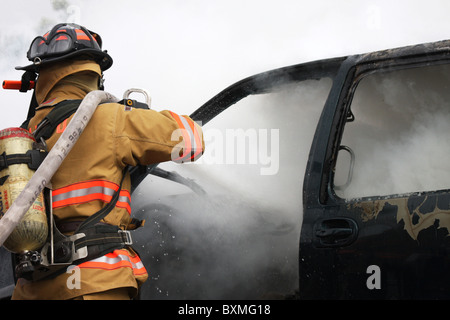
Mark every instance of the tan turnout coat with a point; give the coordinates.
(116, 136)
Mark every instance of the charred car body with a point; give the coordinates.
(365, 214)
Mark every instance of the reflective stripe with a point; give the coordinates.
(87, 191)
(192, 140)
(62, 38)
(81, 35)
(115, 260)
(124, 200)
(197, 140)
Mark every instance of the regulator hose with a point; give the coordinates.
(52, 161)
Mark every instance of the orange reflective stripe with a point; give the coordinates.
(124, 200)
(61, 127)
(186, 139)
(198, 140)
(115, 260)
(192, 140)
(81, 35)
(61, 38)
(86, 184)
(81, 199)
(92, 190)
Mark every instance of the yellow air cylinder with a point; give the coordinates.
(31, 233)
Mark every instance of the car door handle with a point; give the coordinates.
(335, 232)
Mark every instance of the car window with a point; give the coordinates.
(399, 138)
(258, 148)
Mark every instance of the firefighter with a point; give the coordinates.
(69, 63)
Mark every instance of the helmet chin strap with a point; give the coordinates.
(101, 83)
(27, 77)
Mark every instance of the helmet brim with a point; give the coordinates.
(101, 57)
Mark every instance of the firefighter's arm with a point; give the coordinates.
(147, 136)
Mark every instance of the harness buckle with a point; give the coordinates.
(81, 252)
(126, 236)
(63, 252)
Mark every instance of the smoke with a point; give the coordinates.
(400, 133)
(240, 240)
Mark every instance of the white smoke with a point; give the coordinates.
(400, 133)
(243, 235)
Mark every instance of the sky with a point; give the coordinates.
(185, 52)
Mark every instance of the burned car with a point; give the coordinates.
(323, 180)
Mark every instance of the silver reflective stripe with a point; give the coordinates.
(83, 192)
(117, 259)
(124, 199)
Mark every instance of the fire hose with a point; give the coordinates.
(52, 162)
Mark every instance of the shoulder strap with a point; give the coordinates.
(60, 112)
(64, 110)
(33, 158)
(130, 103)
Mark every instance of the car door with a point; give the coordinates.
(376, 191)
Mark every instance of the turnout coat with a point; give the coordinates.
(116, 136)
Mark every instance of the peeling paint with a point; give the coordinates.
(421, 212)
(369, 210)
(418, 212)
